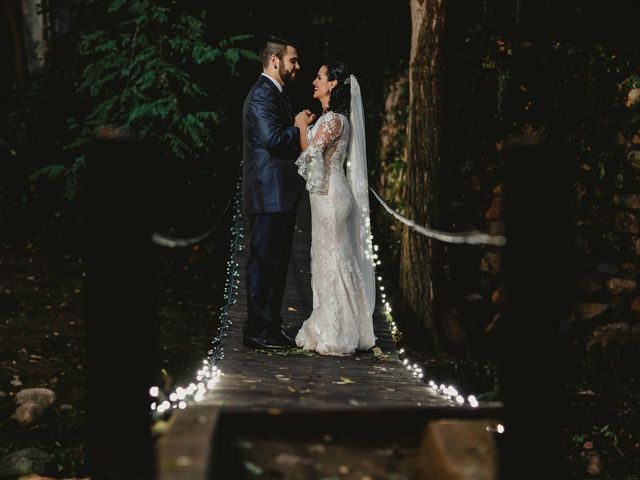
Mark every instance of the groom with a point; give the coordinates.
(271, 190)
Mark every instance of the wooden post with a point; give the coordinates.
(539, 273)
(457, 449)
(119, 309)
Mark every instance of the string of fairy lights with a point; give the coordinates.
(209, 374)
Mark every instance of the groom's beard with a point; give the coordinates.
(286, 76)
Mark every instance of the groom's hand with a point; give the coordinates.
(304, 119)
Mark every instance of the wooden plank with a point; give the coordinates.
(260, 380)
(279, 391)
(184, 453)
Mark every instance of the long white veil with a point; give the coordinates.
(359, 183)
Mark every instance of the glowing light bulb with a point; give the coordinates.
(154, 391)
(500, 428)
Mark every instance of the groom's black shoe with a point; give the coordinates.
(264, 341)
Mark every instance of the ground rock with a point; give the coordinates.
(498, 297)
(24, 462)
(495, 210)
(612, 333)
(627, 222)
(491, 263)
(42, 396)
(594, 463)
(32, 403)
(620, 286)
(587, 311)
(633, 157)
(629, 201)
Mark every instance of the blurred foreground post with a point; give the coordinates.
(119, 309)
(539, 274)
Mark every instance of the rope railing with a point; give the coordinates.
(172, 242)
(470, 238)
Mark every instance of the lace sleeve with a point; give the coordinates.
(311, 163)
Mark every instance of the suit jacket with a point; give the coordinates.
(271, 145)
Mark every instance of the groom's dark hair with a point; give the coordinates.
(275, 45)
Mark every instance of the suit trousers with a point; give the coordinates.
(266, 273)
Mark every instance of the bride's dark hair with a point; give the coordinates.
(340, 101)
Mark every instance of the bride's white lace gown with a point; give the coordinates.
(340, 322)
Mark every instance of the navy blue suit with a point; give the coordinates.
(271, 191)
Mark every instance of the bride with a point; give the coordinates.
(342, 272)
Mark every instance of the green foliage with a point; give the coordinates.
(144, 73)
(147, 67)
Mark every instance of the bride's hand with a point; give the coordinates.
(311, 114)
(304, 119)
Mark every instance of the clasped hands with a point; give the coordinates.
(304, 119)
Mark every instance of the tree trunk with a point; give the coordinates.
(419, 269)
(392, 149)
(34, 36)
(13, 13)
(47, 31)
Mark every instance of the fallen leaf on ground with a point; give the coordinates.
(344, 381)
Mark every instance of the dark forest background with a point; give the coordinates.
(177, 73)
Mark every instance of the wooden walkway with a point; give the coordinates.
(262, 390)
